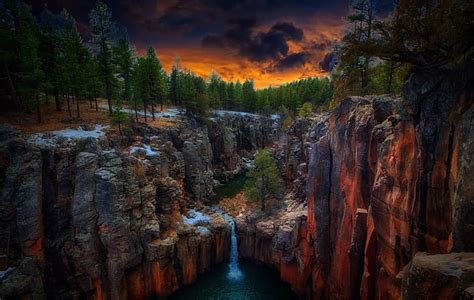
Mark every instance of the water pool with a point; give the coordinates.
(255, 282)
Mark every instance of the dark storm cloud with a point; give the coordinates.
(291, 61)
(256, 46)
(329, 62)
(289, 29)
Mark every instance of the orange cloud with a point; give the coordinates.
(319, 33)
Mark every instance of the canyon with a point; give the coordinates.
(379, 202)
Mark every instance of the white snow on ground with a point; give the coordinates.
(169, 113)
(195, 217)
(203, 230)
(221, 113)
(146, 148)
(50, 138)
(4, 273)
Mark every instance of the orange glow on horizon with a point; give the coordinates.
(232, 67)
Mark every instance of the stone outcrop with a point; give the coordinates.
(235, 137)
(386, 178)
(441, 276)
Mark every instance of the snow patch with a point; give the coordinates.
(51, 138)
(203, 230)
(4, 273)
(168, 113)
(221, 113)
(195, 217)
(146, 148)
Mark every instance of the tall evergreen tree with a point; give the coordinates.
(173, 83)
(30, 74)
(73, 59)
(263, 178)
(50, 25)
(102, 30)
(248, 96)
(124, 59)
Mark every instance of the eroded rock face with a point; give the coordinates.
(387, 178)
(103, 218)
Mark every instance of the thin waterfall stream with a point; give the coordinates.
(237, 279)
(234, 270)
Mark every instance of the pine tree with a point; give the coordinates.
(118, 117)
(140, 86)
(173, 83)
(8, 50)
(50, 25)
(263, 178)
(124, 59)
(248, 95)
(156, 80)
(30, 74)
(102, 30)
(72, 59)
(215, 96)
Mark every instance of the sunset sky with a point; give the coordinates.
(271, 41)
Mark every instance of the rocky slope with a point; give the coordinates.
(387, 178)
(117, 217)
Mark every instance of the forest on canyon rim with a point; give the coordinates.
(121, 180)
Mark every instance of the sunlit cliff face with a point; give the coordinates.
(270, 41)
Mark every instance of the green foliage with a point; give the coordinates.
(263, 178)
(192, 91)
(118, 117)
(377, 54)
(102, 31)
(305, 110)
(30, 74)
(124, 59)
(156, 79)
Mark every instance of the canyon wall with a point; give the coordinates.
(387, 178)
(117, 217)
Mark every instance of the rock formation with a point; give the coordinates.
(387, 178)
(100, 218)
(379, 202)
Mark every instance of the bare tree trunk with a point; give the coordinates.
(95, 98)
(161, 103)
(144, 109)
(68, 105)
(153, 112)
(38, 110)
(136, 112)
(90, 102)
(11, 87)
(120, 128)
(57, 101)
(77, 107)
(109, 96)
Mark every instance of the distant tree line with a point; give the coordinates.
(44, 58)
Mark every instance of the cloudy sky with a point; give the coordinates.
(271, 41)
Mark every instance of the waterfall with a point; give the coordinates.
(234, 270)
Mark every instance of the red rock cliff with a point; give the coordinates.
(387, 178)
